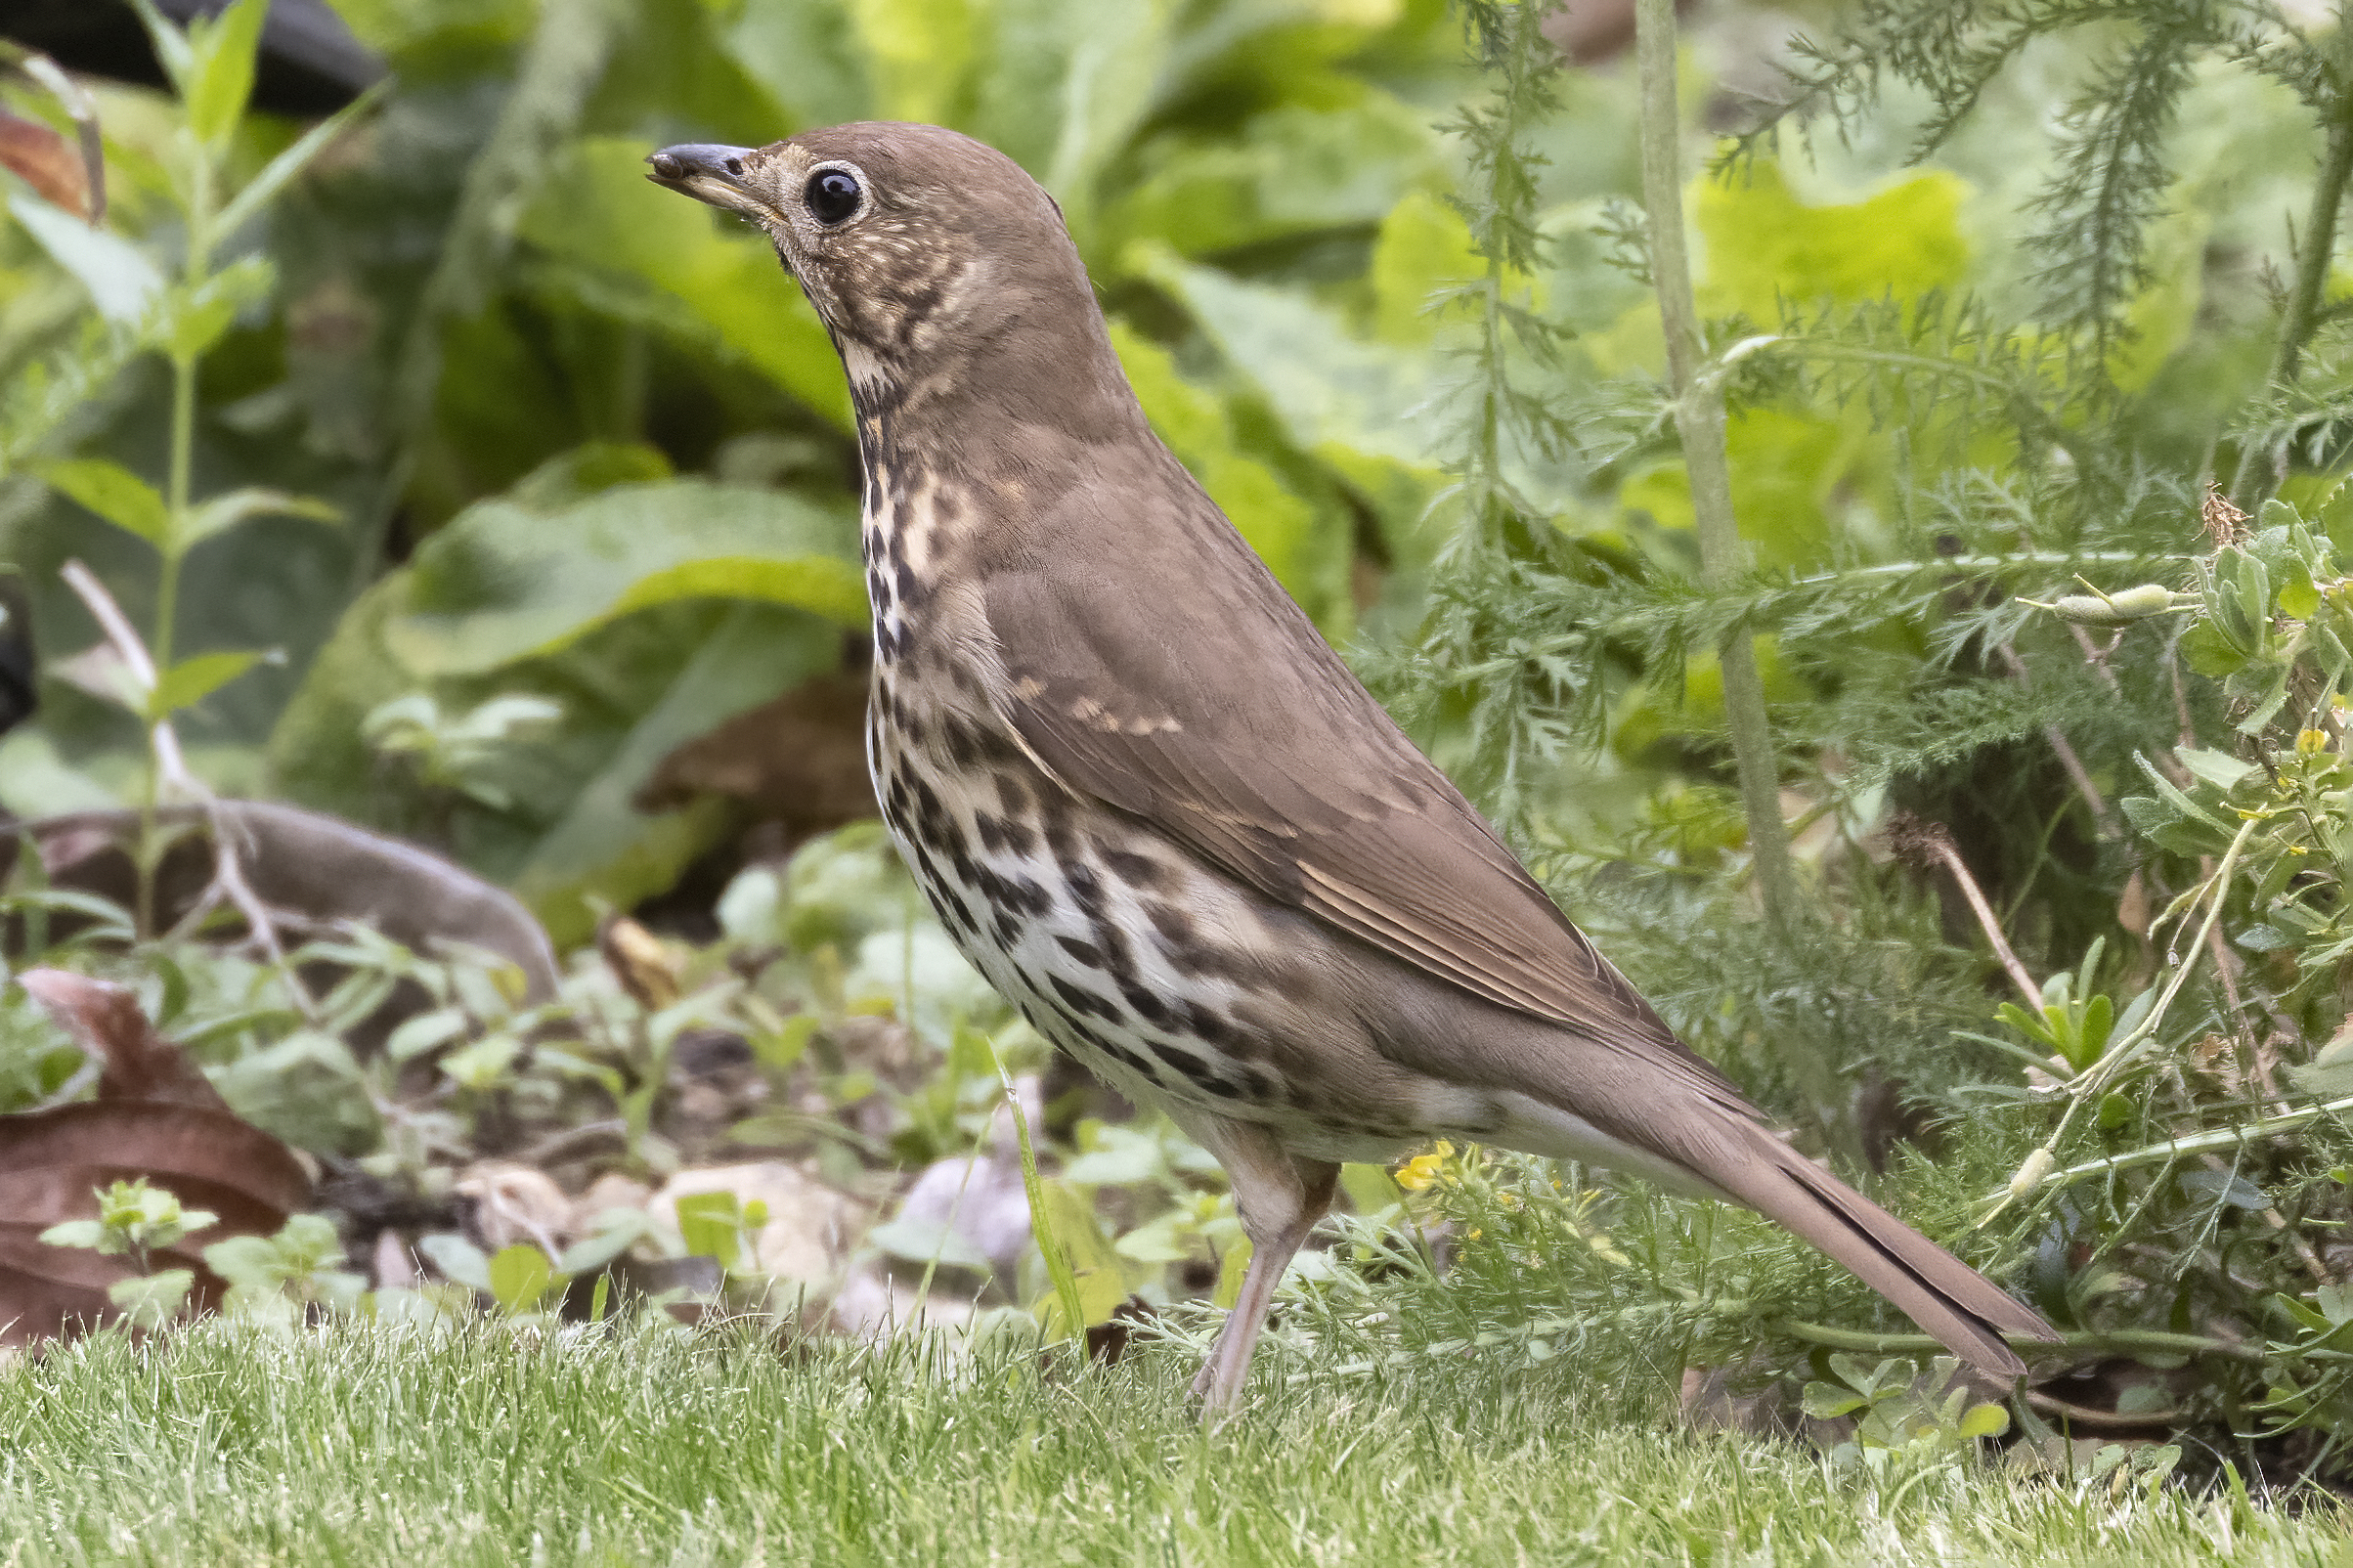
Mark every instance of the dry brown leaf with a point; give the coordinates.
(47, 162)
(158, 1117)
(638, 959)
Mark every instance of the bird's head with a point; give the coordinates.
(920, 249)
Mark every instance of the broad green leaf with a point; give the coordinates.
(1787, 468)
(114, 492)
(2218, 768)
(1985, 1420)
(519, 1275)
(501, 582)
(614, 1232)
(198, 321)
(917, 53)
(711, 1224)
(317, 751)
(194, 678)
(456, 1259)
(1764, 244)
(120, 279)
(74, 1233)
(220, 78)
(1425, 247)
(807, 56)
(599, 846)
(1063, 84)
(151, 1300)
(1296, 170)
(1337, 396)
(713, 277)
(571, 477)
(425, 1032)
(195, 319)
(629, 693)
(224, 512)
(1370, 1189)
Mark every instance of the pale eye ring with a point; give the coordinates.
(834, 196)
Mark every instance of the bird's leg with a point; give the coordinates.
(1281, 1196)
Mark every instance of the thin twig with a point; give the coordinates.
(1699, 422)
(2074, 1346)
(2066, 752)
(1918, 841)
(171, 766)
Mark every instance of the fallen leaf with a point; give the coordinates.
(638, 959)
(47, 162)
(156, 1117)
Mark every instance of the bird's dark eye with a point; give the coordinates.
(833, 194)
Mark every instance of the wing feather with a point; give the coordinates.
(1298, 785)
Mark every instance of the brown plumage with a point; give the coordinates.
(1154, 806)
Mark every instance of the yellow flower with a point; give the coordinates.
(1422, 1170)
(2311, 742)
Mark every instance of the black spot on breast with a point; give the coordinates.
(963, 745)
(909, 591)
(1148, 1006)
(1081, 1000)
(1086, 888)
(1098, 1040)
(1034, 895)
(953, 910)
(1136, 870)
(1085, 952)
(1117, 956)
(1013, 797)
(1210, 1028)
(1186, 1062)
(998, 833)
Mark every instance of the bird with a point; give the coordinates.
(1155, 809)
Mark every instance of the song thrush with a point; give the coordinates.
(1154, 806)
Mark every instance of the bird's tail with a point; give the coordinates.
(1937, 1291)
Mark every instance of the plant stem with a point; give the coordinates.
(2255, 478)
(1699, 419)
(175, 497)
(2127, 1340)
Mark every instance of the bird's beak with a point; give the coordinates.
(710, 172)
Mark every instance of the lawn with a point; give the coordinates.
(361, 1444)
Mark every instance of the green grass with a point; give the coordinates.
(357, 1446)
